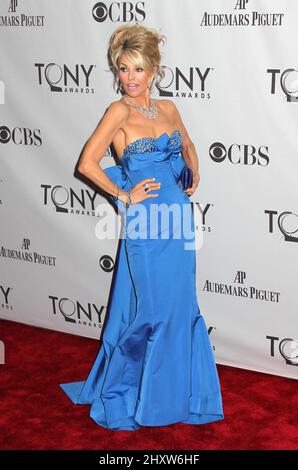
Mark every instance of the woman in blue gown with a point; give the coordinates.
(155, 365)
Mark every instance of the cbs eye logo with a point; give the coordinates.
(106, 263)
(5, 134)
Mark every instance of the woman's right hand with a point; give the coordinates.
(138, 193)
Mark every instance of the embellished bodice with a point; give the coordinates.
(163, 152)
(150, 144)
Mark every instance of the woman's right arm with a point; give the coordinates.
(97, 145)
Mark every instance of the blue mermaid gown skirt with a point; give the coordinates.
(155, 365)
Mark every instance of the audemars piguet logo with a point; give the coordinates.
(26, 254)
(17, 16)
(238, 288)
(241, 17)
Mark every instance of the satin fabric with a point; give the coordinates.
(155, 365)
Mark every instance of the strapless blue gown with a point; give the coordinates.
(155, 365)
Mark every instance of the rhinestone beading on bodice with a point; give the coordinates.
(148, 144)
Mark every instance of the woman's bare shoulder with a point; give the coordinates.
(168, 107)
(167, 103)
(118, 107)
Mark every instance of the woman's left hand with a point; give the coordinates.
(195, 183)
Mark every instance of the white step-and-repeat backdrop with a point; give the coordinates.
(231, 70)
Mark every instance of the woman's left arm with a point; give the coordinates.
(188, 148)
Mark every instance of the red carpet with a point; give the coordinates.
(260, 410)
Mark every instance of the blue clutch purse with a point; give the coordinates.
(186, 177)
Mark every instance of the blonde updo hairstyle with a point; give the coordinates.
(140, 44)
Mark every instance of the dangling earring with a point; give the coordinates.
(120, 87)
(151, 84)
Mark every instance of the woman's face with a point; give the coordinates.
(135, 80)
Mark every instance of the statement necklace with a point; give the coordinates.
(150, 112)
